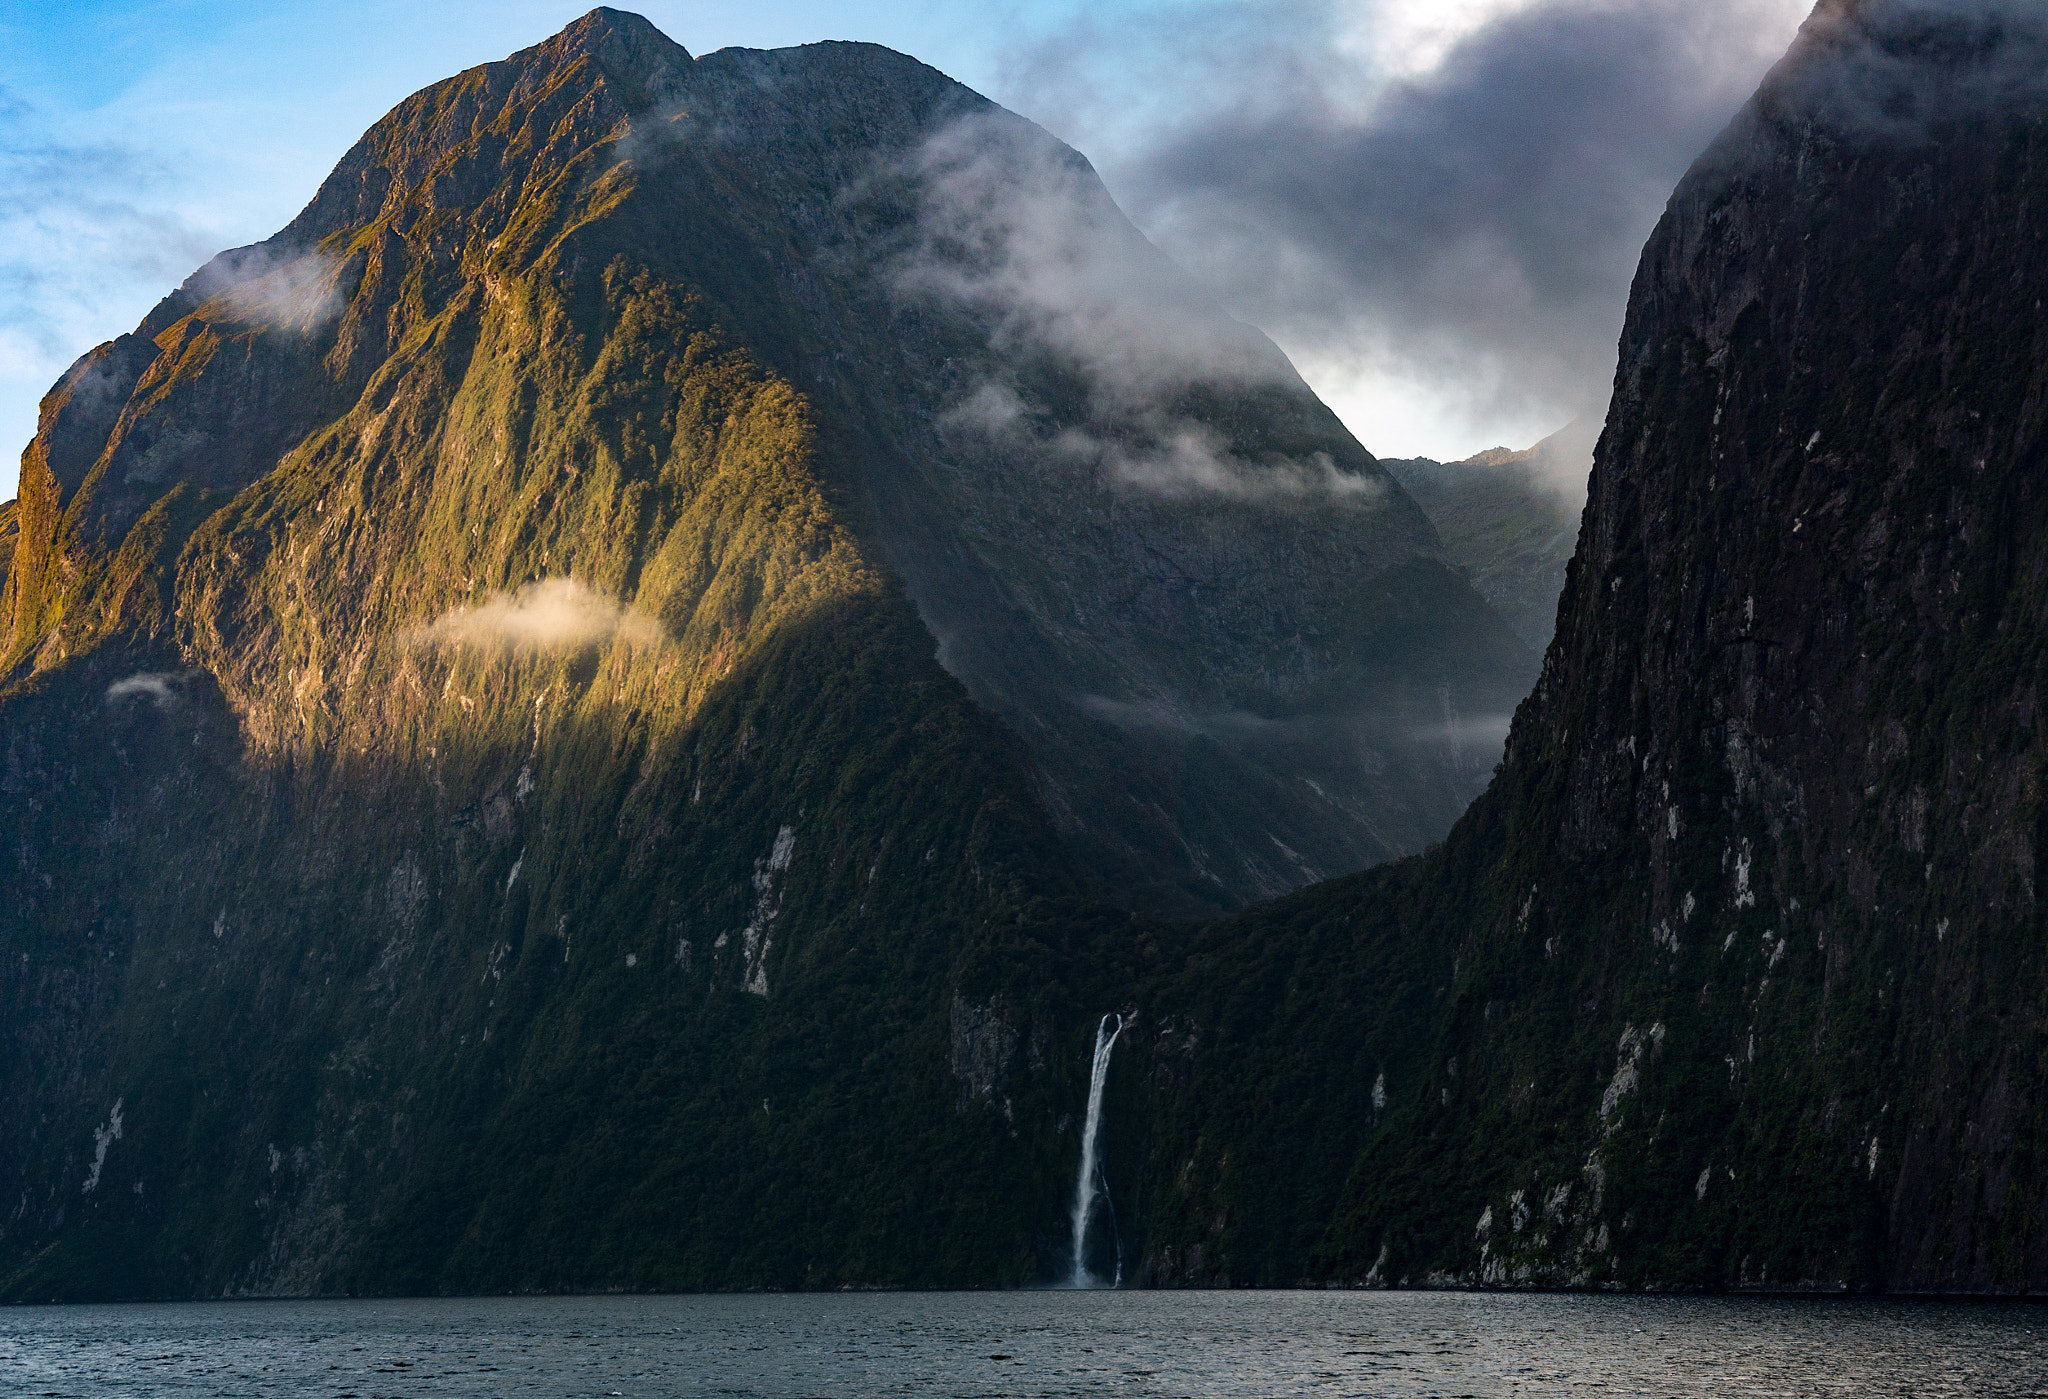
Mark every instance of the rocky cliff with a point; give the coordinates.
(1735, 977)
(9, 532)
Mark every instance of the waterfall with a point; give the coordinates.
(1087, 1186)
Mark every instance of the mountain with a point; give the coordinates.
(1230, 644)
(1735, 976)
(611, 706)
(1509, 519)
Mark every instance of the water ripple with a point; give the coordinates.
(1030, 1345)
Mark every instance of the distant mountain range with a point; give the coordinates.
(1510, 520)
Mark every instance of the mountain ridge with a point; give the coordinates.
(1509, 519)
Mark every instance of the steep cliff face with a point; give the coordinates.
(477, 816)
(1736, 975)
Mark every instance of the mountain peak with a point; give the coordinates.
(623, 43)
(603, 22)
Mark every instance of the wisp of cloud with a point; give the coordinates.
(551, 614)
(161, 687)
(1016, 229)
(293, 288)
(1016, 225)
(1897, 70)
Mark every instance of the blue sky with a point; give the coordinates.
(1355, 176)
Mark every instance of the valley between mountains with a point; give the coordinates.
(615, 706)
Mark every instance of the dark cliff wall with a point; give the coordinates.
(1738, 974)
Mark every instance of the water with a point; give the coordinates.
(1029, 1344)
(1086, 1185)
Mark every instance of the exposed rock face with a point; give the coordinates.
(1735, 976)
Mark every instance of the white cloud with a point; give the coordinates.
(160, 686)
(1015, 225)
(290, 289)
(1017, 230)
(1189, 459)
(1434, 208)
(1408, 38)
(552, 614)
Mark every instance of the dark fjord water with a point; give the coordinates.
(1045, 1343)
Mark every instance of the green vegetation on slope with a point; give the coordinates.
(382, 928)
(10, 532)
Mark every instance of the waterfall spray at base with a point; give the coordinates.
(1087, 1187)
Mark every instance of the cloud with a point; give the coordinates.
(164, 687)
(1017, 226)
(1464, 224)
(552, 614)
(1152, 449)
(1016, 229)
(1898, 69)
(291, 288)
(1484, 733)
(1189, 459)
(90, 235)
(104, 206)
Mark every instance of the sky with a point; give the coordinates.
(1433, 206)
